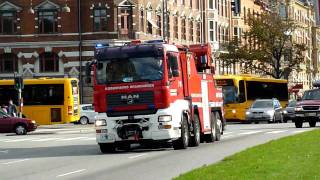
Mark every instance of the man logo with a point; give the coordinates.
(130, 98)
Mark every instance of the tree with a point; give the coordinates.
(267, 47)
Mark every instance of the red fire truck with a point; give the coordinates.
(155, 92)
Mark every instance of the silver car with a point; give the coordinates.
(265, 110)
(87, 114)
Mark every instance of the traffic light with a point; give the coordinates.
(18, 83)
(235, 7)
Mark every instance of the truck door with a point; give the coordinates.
(174, 73)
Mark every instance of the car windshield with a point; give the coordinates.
(311, 95)
(129, 70)
(229, 94)
(292, 103)
(262, 104)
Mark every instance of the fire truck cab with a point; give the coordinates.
(155, 92)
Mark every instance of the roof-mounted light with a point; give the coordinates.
(100, 45)
(157, 41)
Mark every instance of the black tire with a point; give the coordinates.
(212, 136)
(20, 129)
(312, 123)
(183, 141)
(107, 147)
(219, 127)
(298, 123)
(195, 139)
(83, 120)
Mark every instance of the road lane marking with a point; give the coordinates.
(70, 139)
(45, 139)
(133, 157)
(88, 139)
(228, 136)
(4, 151)
(276, 132)
(19, 140)
(17, 161)
(69, 173)
(250, 132)
(225, 133)
(299, 131)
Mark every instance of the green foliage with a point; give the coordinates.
(267, 47)
(294, 157)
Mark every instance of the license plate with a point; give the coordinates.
(258, 116)
(311, 114)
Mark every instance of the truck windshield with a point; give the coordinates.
(311, 95)
(129, 70)
(229, 94)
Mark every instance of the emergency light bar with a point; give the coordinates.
(100, 45)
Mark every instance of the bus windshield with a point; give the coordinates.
(229, 94)
(129, 70)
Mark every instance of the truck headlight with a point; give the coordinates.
(101, 122)
(165, 118)
(298, 108)
(270, 112)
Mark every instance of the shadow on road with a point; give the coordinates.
(65, 151)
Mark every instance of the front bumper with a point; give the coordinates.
(32, 127)
(261, 118)
(148, 129)
(305, 116)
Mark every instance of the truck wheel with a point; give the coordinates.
(312, 123)
(298, 123)
(195, 140)
(107, 147)
(183, 141)
(219, 128)
(212, 136)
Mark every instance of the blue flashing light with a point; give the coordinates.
(100, 45)
(151, 106)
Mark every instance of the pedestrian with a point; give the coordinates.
(12, 109)
(4, 108)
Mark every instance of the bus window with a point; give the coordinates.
(266, 90)
(229, 94)
(242, 94)
(52, 94)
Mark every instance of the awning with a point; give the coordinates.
(153, 23)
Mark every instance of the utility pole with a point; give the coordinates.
(165, 20)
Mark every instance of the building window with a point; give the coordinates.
(49, 62)
(211, 6)
(8, 23)
(198, 31)
(197, 4)
(159, 25)
(211, 31)
(100, 19)
(183, 2)
(142, 21)
(168, 23)
(8, 63)
(183, 29)
(175, 27)
(47, 21)
(191, 31)
(190, 3)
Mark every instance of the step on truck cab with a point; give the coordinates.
(154, 92)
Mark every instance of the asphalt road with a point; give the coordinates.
(72, 153)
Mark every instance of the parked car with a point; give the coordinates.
(20, 126)
(269, 110)
(87, 114)
(288, 112)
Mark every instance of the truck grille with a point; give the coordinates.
(310, 108)
(139, 98)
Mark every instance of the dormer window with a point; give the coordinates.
(47, 14)
(100, 19)
(8, 18)
(47, 22)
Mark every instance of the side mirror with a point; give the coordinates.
(175, 73)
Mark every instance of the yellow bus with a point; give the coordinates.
(239, 92)
(45, 100)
